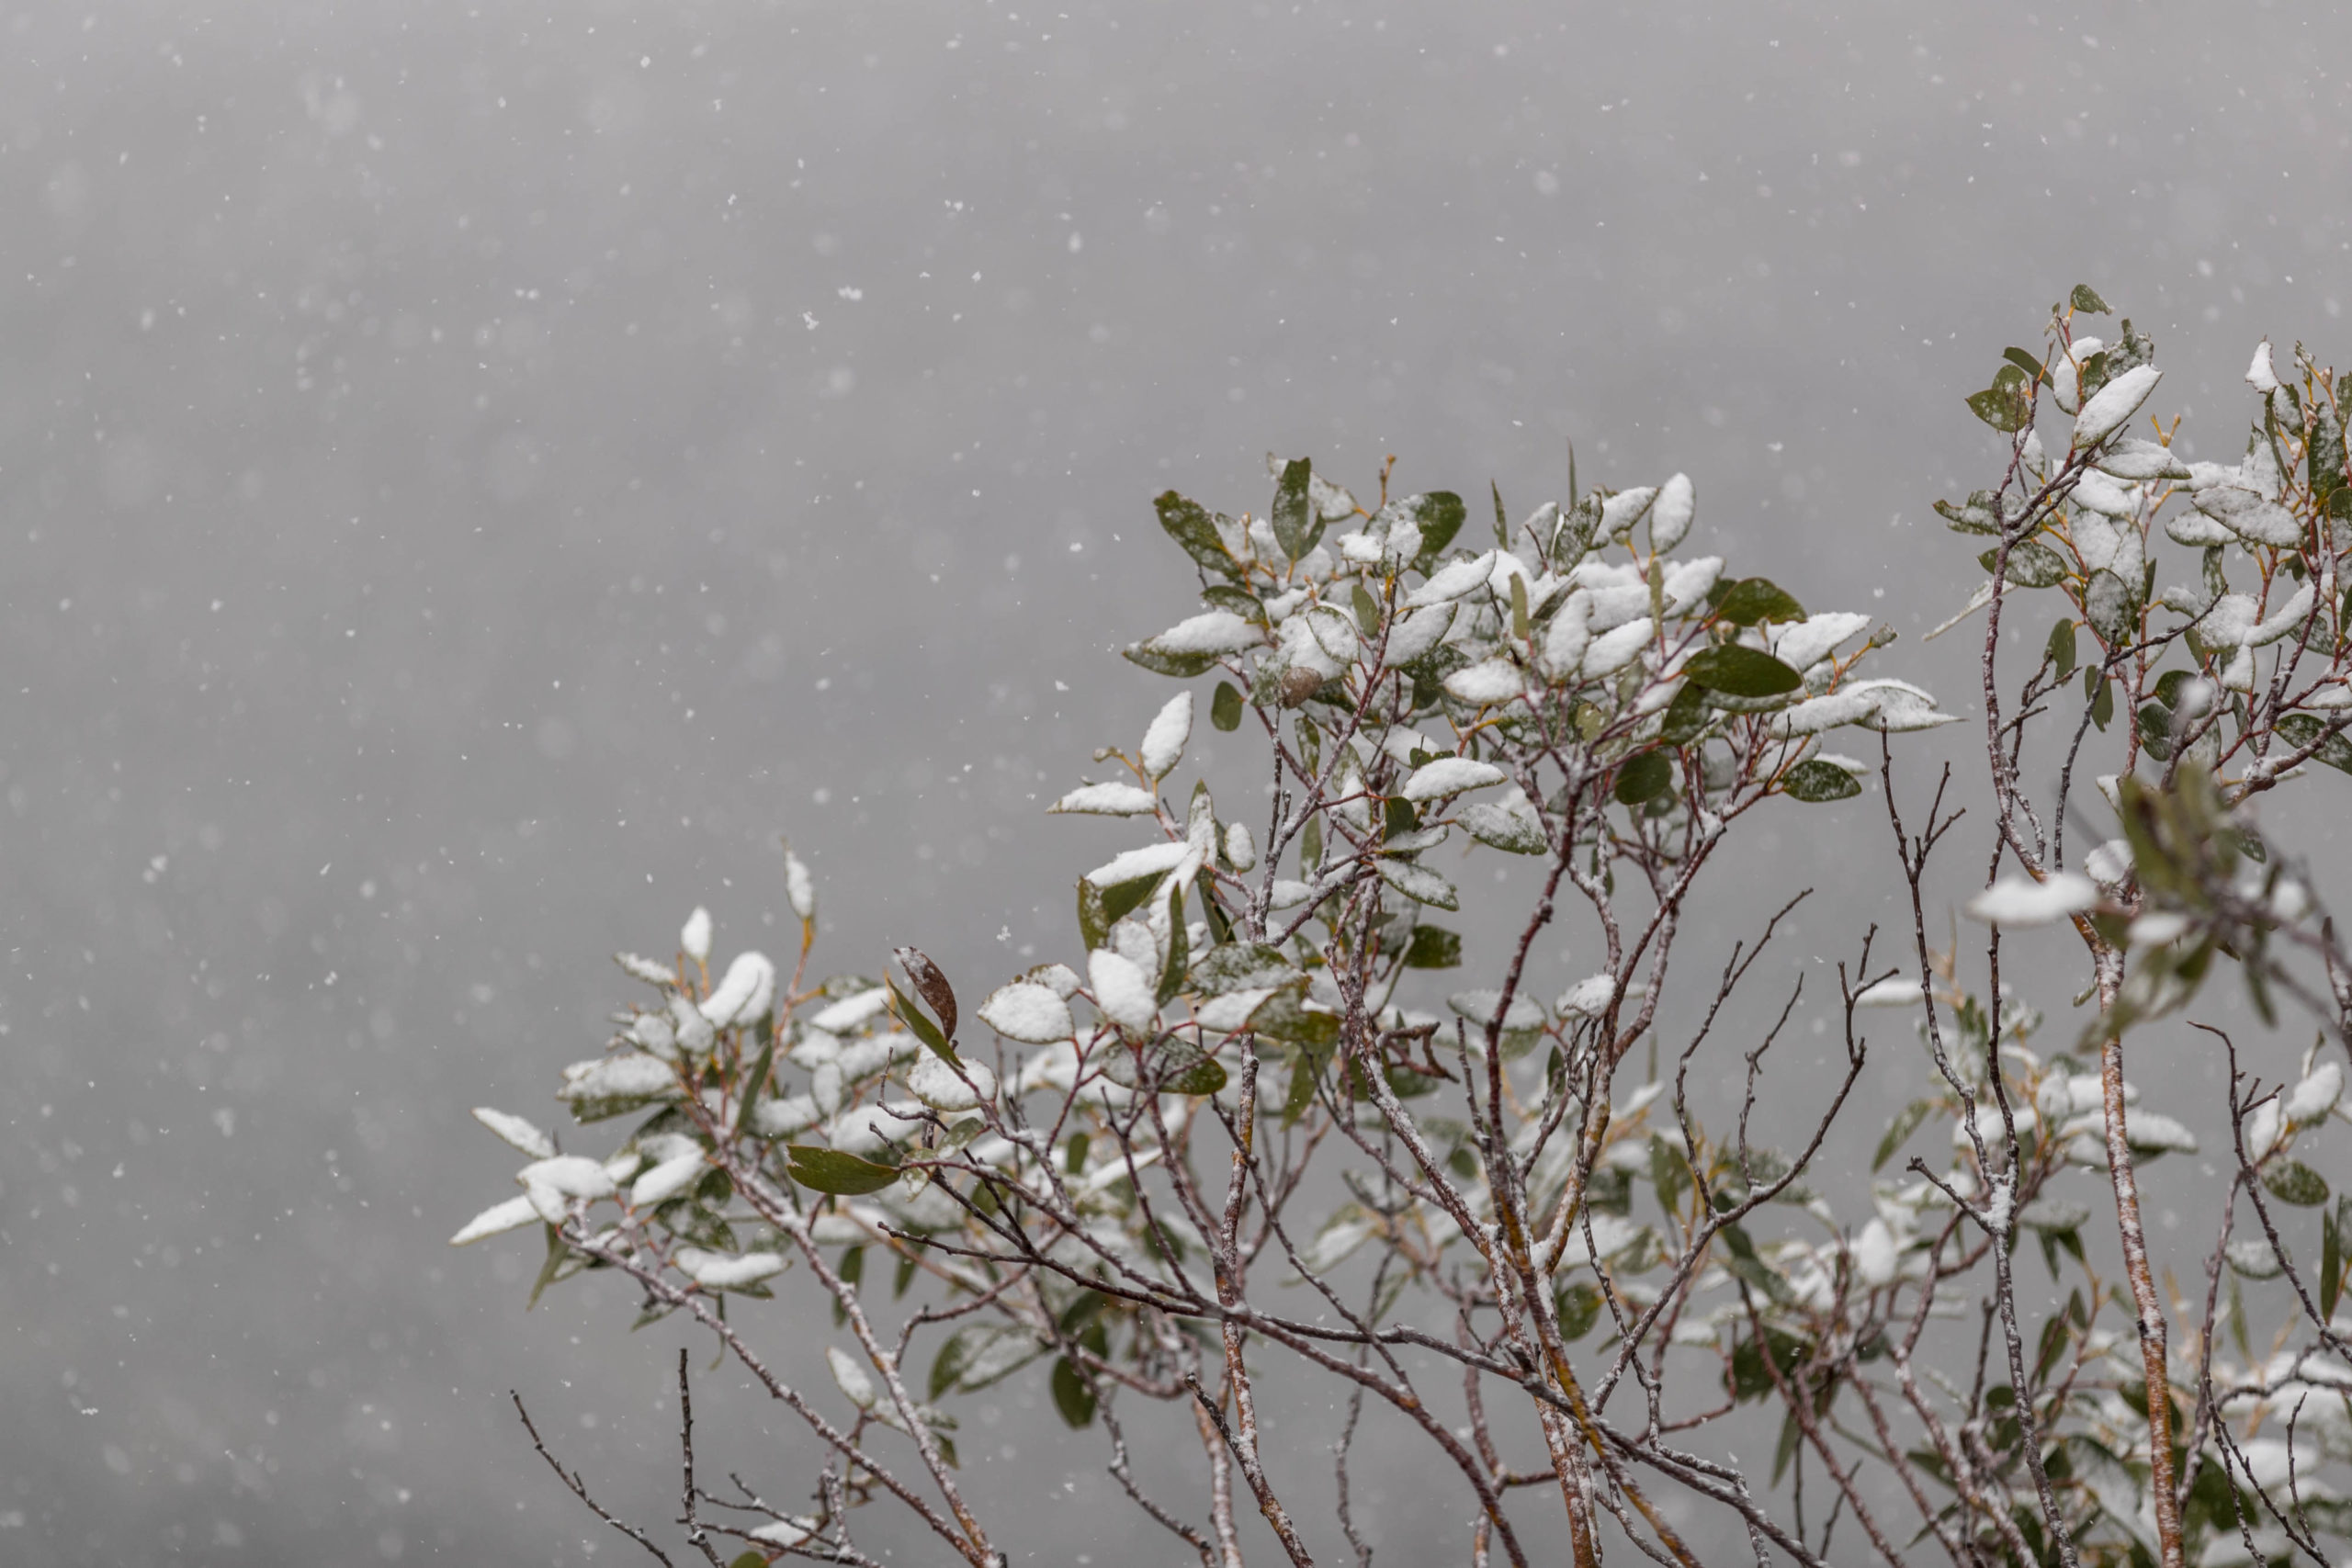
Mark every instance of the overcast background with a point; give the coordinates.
(470, 477)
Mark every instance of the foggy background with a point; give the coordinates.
(471, 478)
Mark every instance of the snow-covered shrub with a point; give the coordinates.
(1252, 1117)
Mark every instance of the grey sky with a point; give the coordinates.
(472, 477)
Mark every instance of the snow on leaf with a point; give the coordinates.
(1451, 582)
(933, 1082)
(1895, 991)
(1589, 997)
(1213, 632)
(2291, 616)
(517, 1134)
(1289, 894)
(2112, 404)
(850, 1377)
(1450, 776)
(1479, 1006)
(2018, 901)
(1482, 685)
(2316, 1096)
(1163, 742)
(743, 994)
(785, 1532)
(1671, 512)
(666, 1180)
(727, 1270)
(2135, 460)
(783, 1118)
(1120, 990)
(2250, 516)
(798, 885)
(1419, 883)
(694, 935)
(1112, 799)
(1815, 715)
(1621, 511)
(1567, 636)
(2261, 375)
(2158, 928)
(512, 1215)
(1131, 866)
(1031, 1014)
(630, 1076)
(1240, 848)
(646, 969)
(1611, 651)
(850, 1012)
(1416, 631)
(1687, 581)
(1875, 1255)
(1804, 645)
(574, 1175)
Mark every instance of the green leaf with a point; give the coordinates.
(1906, 1122)
(1439, 515)
(1225, 708)
(2002, 407)
(2102, 699)
(551, 1268)
(2085, 298)
(1741, 671)
(830, 1170)
(1296, 522)
(752, 1086)
(1792, 1434)
(1644, 776)
(1191, 527)
(1686, 716)
(1181, 666)
(749, 1560)
(1419, 883)
(1754, 599)
(921, 1026)
(2112, 608)
(2024, 360)
(2323, 452)
(1433, 947)
(2331, 1261)
(1579, 1308)
(1171, 974)
(2061, 648)
(2032, 564)
(1093, 919)
(1242, 967)
(2292, 1181)
(1980, 513)
(1072, 1398)
(1815, 782)
(2301, 729)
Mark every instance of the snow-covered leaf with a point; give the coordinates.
(1450, 776)
(1112, 799)
(517, 1134)
(1163, 741)
(1031, 1013)
(512, 1215)
(2114, 403)
(1122, 990)
(695, 936)
(743, 994)
(1419, 883)
(2020, 901)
